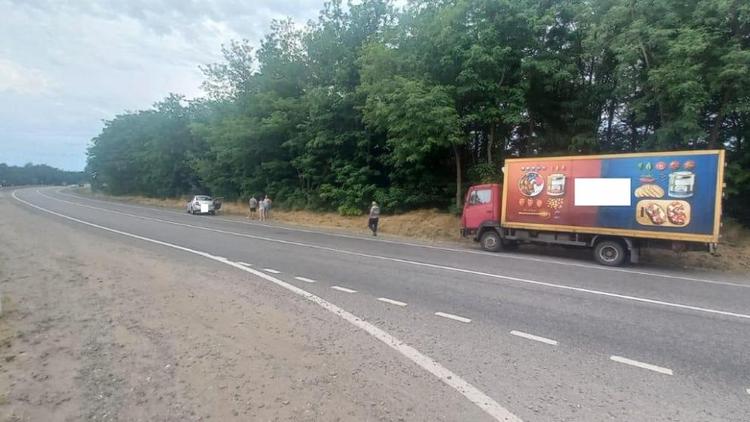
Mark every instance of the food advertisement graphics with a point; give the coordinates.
(673, 192)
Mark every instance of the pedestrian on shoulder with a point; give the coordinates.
(267, 206)
(253, 203)
(262, 209)
(372, 223)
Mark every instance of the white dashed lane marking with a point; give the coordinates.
(272, 271)
(305, 279)
(343, 289)
(533, 337)
(643, 365)
(391, 301)
(453, 317)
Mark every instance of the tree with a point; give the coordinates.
(408, 106)
(37, 174)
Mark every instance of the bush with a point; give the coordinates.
(349, 211)
(349, 198)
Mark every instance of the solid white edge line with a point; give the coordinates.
(473, 394)
(245, 264)
(533, 337)
(391, 301)
(271, 270)
(425, 264)
(305, 279)
(454, 317)
(343, 289)
(643, 365)
(442, 248)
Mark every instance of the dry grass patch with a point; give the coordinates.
(733, 252)
(422, 224)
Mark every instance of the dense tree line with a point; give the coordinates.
(408, 106)
(39, 174)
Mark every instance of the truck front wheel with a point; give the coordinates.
(491, 241)
(610, 252)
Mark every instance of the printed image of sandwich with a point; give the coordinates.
(676, 213)
(656, 214)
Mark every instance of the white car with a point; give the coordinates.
(202, 204)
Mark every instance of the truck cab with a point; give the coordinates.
(482, 208)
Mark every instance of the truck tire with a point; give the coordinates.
(610, 253)
(491, 241)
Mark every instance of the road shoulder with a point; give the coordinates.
(110, 328)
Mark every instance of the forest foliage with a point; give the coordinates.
(408, 106)
(38, 174)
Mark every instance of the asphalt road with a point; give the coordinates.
(546, 338)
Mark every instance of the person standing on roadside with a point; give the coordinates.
(253, 204)
(262, 210)
(372, 223)
(267, 207)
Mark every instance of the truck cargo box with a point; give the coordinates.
(673, 195)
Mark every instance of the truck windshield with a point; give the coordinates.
(480, 196)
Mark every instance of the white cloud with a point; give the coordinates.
(22, 80)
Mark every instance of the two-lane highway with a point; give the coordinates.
(547, 339)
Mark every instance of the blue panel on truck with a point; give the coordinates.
(669, 193)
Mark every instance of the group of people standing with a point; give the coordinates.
(262, 208)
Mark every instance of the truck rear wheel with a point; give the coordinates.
(610, 253)
(491, 241)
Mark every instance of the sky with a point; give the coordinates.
(68, 65)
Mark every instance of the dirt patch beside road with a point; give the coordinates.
(98, 327)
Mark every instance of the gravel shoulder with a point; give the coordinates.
(96, 327)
